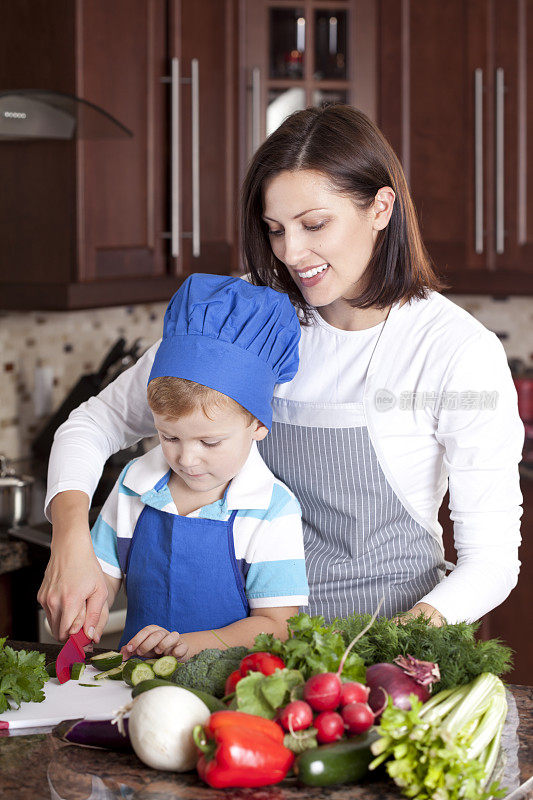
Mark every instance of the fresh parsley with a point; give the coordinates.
(313, 647)
(22, 676)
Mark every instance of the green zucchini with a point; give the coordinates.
(165, 666)
(141, 672)
(51, 669)
(127, 669)
(213, 703)
(345, 761)
(76, 670)
(106, 661)
(114, 674)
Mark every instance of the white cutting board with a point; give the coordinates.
(71, 701)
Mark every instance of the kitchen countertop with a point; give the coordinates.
(40, 766)
(13, 554)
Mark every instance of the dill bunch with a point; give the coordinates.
(460, 656)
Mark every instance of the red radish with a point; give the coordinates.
(329, 726)
(231, 681)
(298, 715)
(323, 691)
(357, 717)
(267, 663)
(353, 692)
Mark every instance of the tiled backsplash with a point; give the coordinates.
(55, 349)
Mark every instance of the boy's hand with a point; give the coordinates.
(154, 641)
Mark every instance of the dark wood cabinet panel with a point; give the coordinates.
(122, 49)
(461, 130)
(207, 32)
(86, 222)
(513, 58)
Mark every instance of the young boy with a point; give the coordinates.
(207, 540)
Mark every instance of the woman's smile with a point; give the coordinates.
(325, 248)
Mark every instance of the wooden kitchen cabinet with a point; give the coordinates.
(299, 53)
(87, 222)
(203, 38)
(455, 100)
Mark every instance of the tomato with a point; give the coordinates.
(231, 682)
(267, 663)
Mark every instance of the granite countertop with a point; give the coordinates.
(13, 554)
(38, 765)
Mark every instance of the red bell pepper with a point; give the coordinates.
(267, 663)
(238, 749)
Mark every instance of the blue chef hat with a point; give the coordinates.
(232, 336)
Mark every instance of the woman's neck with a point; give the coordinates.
(341, 315)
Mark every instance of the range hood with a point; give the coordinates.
(42, 114)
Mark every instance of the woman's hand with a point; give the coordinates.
(73, 591)
(435, 617)
(153, 641)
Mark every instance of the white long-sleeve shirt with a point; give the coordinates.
(441, 411)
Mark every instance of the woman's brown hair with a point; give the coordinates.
(348, 149)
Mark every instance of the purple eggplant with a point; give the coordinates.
(100, 733)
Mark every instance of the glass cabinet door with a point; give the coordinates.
(306, 53)
(286, 42)
(330, 44)
(299, 54)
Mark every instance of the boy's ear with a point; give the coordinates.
(260, 431)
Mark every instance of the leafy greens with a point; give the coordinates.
(460, 657)
(312, 647)
(22, 676)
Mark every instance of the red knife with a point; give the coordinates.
(71, 652)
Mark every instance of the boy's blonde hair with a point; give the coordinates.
(178, 397)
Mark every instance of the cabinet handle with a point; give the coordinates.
(195, 122)
(175, 156)
(478, 158)
(500, 176)
(256, 109)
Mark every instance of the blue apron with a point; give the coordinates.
(182, 573)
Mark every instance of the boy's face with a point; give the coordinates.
(207, 453)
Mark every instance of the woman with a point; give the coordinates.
(400, 394)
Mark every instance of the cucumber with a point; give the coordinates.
(164, 667)
(141, 672)
(114, 674)
(213, 703)
(345, 761)
(106, 661)
(127, 669)
(51, 669)
(76, 670)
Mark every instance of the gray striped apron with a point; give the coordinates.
(360, 542)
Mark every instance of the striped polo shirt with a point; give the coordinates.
(267, 529)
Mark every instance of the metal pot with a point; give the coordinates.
(15, 496)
